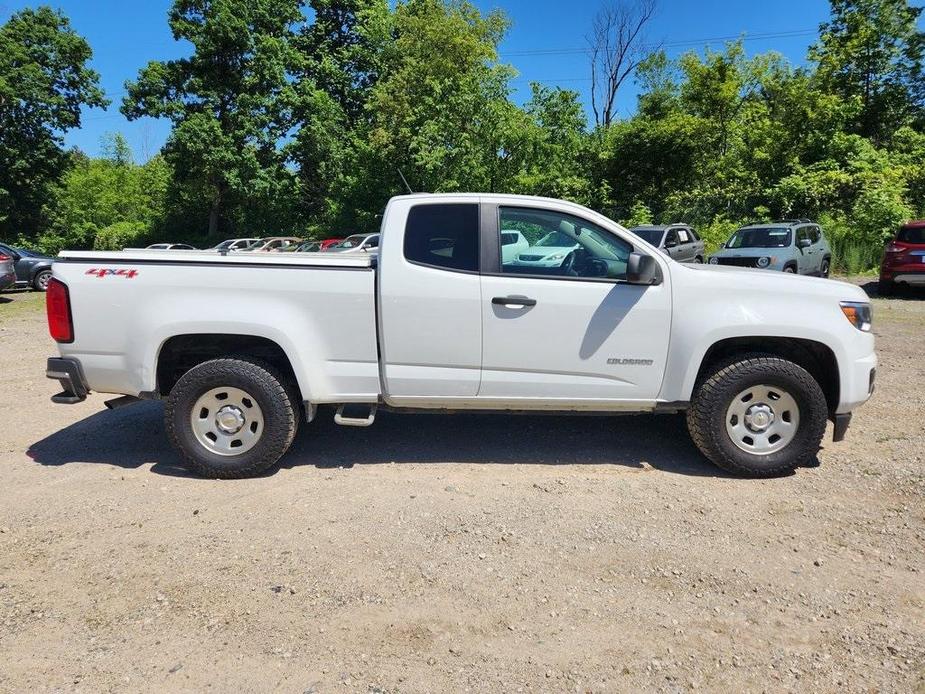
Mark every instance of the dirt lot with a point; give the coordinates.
(457, 553)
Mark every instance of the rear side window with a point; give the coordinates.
(694, 234)
(444, 236)
(508, 238)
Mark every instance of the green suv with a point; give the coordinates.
(790, 245)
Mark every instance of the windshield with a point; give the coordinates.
(222, 246)
(653, 236)
(555, 239)
(911, 235)
(351, 241)
(760, 237)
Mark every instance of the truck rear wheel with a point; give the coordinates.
(758, 416)
(231, 418)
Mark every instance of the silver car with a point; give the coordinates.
(678, 241)
(796, 246)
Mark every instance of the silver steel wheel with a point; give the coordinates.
(762, 419)
(42, 279)
(227, 421)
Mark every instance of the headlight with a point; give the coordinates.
(555, 256)
(858, 313)
(764, 261)
(714, 260)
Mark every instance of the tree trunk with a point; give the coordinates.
(215, 213)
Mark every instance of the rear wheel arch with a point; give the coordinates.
(180, 353)
(817, 358)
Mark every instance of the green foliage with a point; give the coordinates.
(121, 235)
(639, 214)
(230, 103)
(44, 82)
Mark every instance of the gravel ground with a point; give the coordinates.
(458, 553)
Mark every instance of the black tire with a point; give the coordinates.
(790, 269)
(698, 260)
(40, 281)
(706, 418)
(279, 412)
(826, 266)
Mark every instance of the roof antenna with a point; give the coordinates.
(405, 181)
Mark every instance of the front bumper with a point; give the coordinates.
(69, 374)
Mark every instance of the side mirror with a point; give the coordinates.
(670, 244)
(804, 243)
(641, 269)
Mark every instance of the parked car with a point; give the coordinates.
(795, 246)
(678, 241)
(356, 243)
(170, 247)
(512, 244)
(232, 245)
(550, 251)
(313, 246)
(7, 272)
(437, 321)
(273, 243)
(904, 259)
(32, 269)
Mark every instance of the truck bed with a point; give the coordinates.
(126, 305)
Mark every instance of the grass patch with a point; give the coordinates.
(18, 304)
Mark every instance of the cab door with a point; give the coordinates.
(430, 322)
(577, 335)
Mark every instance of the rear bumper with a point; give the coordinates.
(68, 372)
(7, 280)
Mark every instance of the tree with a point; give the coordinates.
(230, 103)
(343, 49)
(617, 48)
(442, 112)
(870, 53)
(44, 82)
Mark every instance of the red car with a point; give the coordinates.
(904, 259)
(327, 243)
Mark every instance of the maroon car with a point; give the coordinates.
(904, 259)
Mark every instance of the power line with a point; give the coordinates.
(796, 33)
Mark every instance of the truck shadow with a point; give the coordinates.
(133, 436)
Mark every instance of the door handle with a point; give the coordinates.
(513, 301)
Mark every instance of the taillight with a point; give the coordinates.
(894, 247)
(58, 308)
(4, 258)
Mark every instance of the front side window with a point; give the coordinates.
(562, 245)
(671, 238)
(445, 236)
(683, 237)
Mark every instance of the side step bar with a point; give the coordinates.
(346, 421)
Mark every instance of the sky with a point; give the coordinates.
(545, 44)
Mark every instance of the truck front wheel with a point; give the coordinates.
(758, 416)
(231, 418)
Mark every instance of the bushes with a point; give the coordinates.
(121, 235)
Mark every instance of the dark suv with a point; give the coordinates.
(32, 269)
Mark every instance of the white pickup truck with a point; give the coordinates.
(244, 346)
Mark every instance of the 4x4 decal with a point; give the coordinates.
(108, 271)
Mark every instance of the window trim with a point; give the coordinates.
(444, 268)
(491, 237)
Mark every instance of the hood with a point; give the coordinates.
(730, 278)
